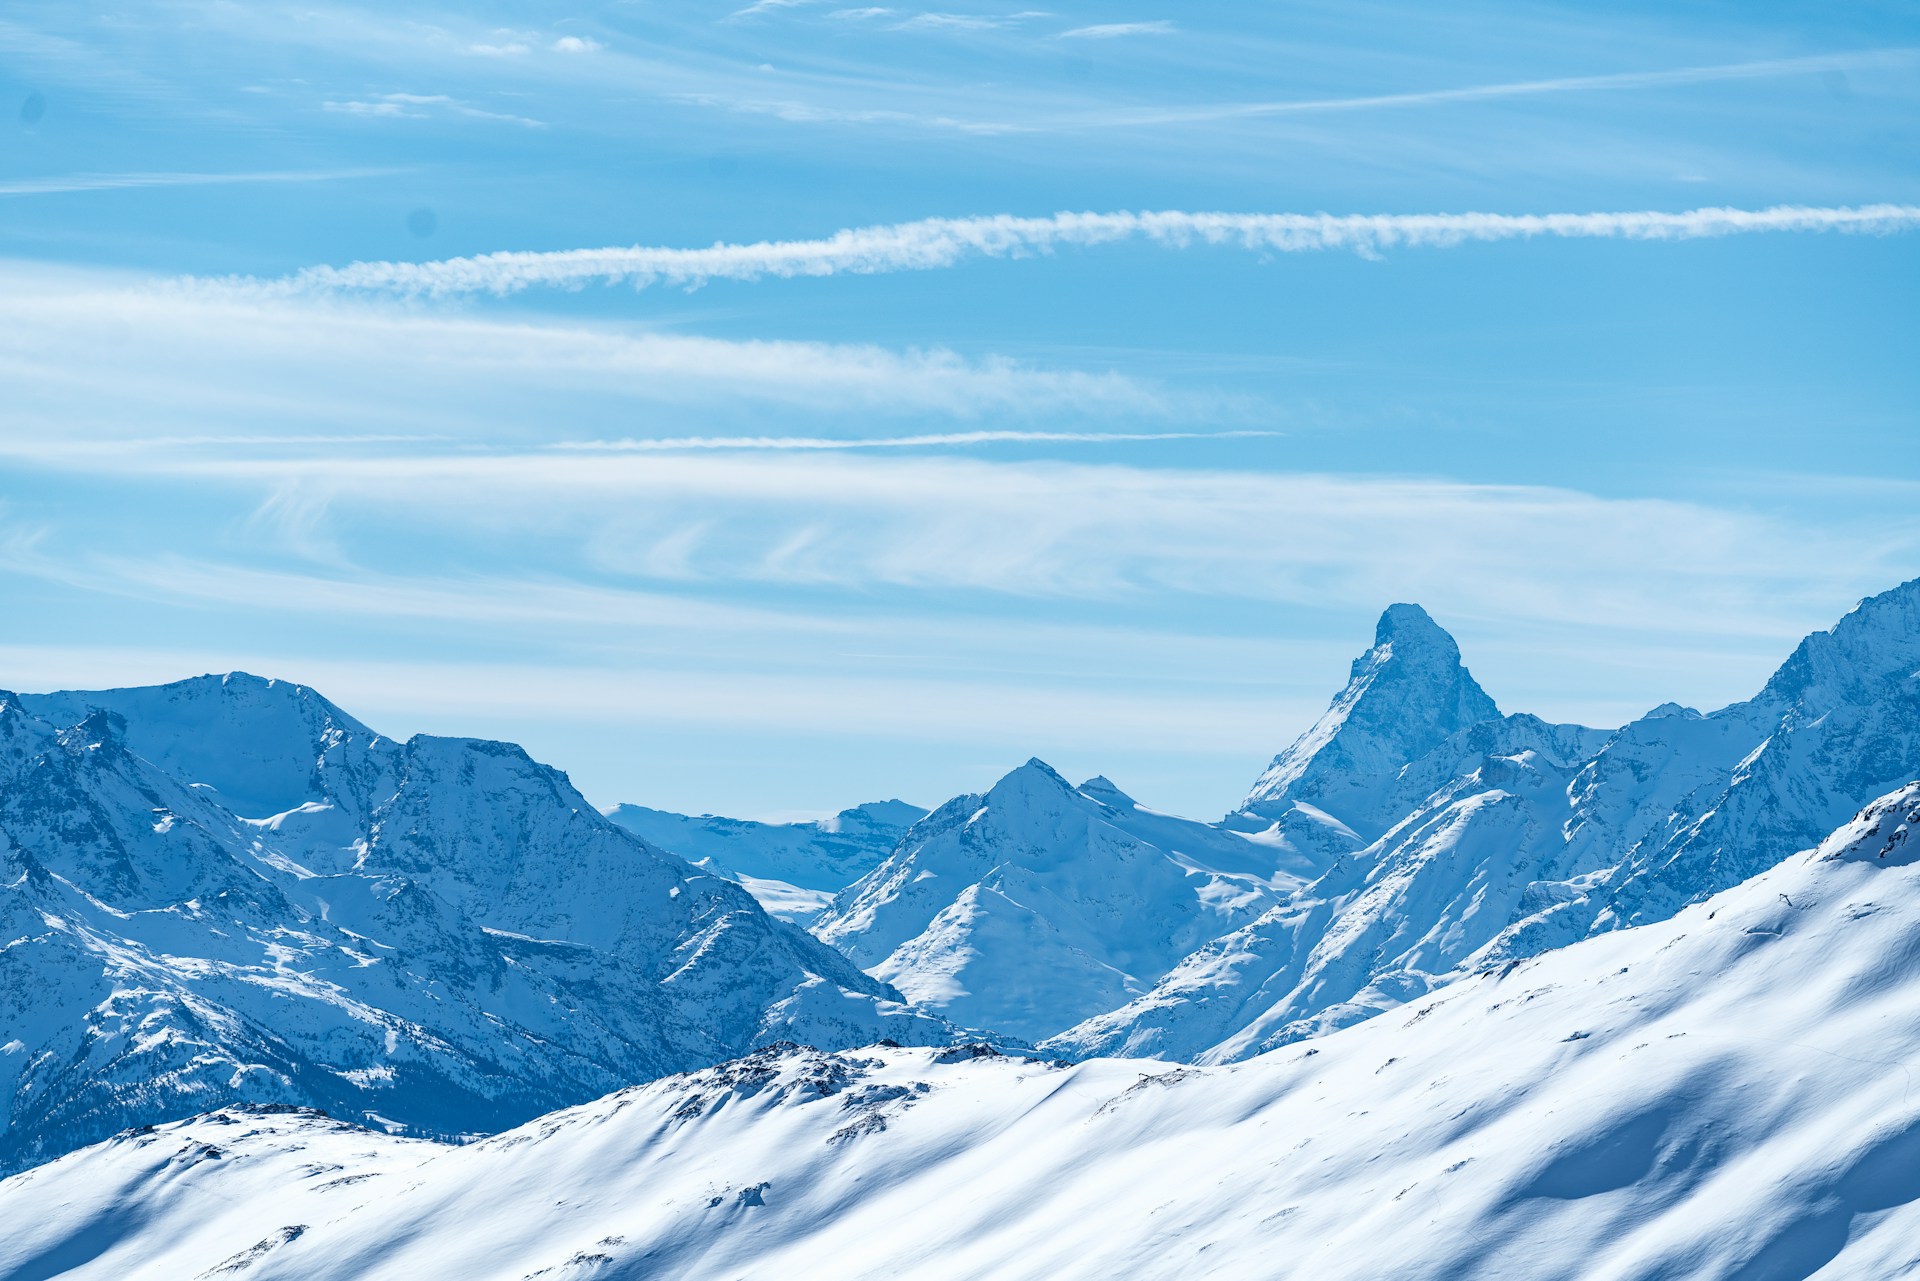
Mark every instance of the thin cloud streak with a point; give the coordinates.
(1116, 30)
(1764, 69)
(1147, 117)
(217, 355)
(671, 444)
(935, 243)
(66, 183)
(923, 709)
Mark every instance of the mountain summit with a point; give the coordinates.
(1035, 904)
(1404, 697)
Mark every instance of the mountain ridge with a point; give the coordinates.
(1598, 1113)
(440, 932)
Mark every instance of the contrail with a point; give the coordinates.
(943, 242)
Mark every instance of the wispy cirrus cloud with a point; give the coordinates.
(200, 361)
(1056, 531)
(1116, 30)
(925, 440)
(933, 20)
(1761, 69)
(60, 184)
(936, 21)
(761, 7)
(945, 242)
(960, 115)
(423, 106)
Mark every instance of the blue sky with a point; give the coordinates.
(773, 530)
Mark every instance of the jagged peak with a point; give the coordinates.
(1410, 624)
(1405, 695)
(99, 728)
(1878, 637)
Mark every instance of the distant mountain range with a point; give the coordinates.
(1509, 836)
(1721, 1095)
(1412, 835)
(227, 892)
(794, 869)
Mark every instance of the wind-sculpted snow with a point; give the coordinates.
(1510, 836)
(1038, 904)
(439, 933)
(1724, 1095)
(793, 869)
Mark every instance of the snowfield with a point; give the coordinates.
(1725, 1094)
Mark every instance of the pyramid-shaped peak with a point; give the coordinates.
(1406, 625)
(1035, 771)
(1033, 785)
(1404, 697)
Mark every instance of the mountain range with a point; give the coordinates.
(794, 869)
(1547, 985)
(1720, 1095)
(1510, 836)
(227, 890)
(1413, 835)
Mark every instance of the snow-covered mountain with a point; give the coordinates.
(1405, 697)
(228, 890)
(1510, 836)
(1720, 1095)
(1036, 904)
(794, 869)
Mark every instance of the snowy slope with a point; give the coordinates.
(1036, 904)
(1513, 836)
(1384, 923)
(440, 933)
(1724, 1096)
(794, 869)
